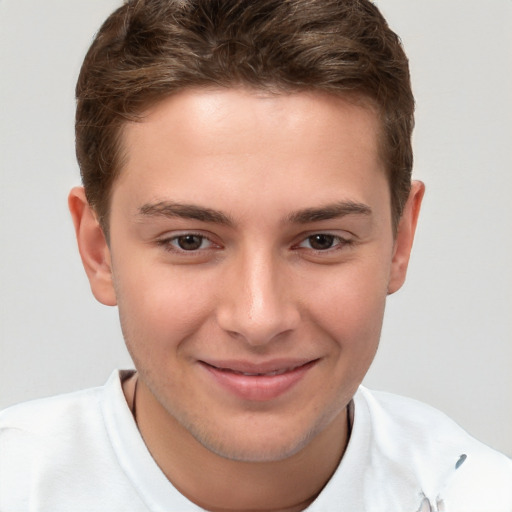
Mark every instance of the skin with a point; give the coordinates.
(249, 282)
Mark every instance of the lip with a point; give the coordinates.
(258, 382)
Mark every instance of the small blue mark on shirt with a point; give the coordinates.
(461, 460)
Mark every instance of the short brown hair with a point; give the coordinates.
(149, 49)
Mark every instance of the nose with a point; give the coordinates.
(257, 303)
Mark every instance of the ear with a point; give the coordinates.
(93, 247)
(405, 237)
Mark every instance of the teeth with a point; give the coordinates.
(269, 374)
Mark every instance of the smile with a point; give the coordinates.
(261, 382)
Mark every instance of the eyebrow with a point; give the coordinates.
(185, 211)
(169, 209)
(330, 211)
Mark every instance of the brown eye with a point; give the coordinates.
(321, 242)
(189, 242)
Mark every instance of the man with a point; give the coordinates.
(248, 205)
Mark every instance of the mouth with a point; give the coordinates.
(258, 382)
(250, 370)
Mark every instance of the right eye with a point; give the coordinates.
(186, 243)
(190, 242)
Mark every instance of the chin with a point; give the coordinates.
(268, 443)
(254, 450)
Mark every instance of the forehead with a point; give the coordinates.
(219, 120)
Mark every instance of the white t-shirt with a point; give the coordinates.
(82, 452)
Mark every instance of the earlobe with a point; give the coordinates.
(93, 247)
(405, 237)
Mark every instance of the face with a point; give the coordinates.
(251, 252)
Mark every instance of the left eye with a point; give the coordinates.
(321, 242)
(190, 242)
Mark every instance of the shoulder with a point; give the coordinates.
(44, 429)
(54, 449)
(57, 413)
(63, 416)
(449, 464)
(415, 420)
(48, 415)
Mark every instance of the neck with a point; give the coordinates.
(225, 485)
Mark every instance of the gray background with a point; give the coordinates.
(447, 338)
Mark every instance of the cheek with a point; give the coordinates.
(348, 302)
(160, 307)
